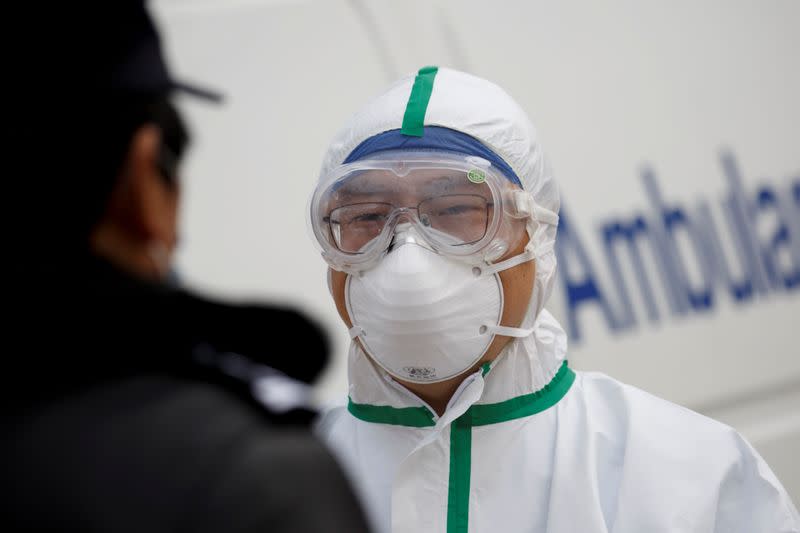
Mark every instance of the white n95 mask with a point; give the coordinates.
(426, 318)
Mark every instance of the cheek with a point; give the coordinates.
(337, 284)
(174, 206)
(517, 291)
(170, 203)
(517, 236)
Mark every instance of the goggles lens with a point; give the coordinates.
(447, 204)
(463, 218)
(460, 205)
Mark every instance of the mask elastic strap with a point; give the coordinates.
(524, 257)
(509, 331)
(355, 331)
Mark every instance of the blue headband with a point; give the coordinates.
(433, 138)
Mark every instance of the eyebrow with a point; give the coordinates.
(378, 187)
(445, 183)
(363, 189)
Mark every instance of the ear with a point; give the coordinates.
(149, 201)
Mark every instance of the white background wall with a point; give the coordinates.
(612, 88)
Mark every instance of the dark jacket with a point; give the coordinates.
(125, 409)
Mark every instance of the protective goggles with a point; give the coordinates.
(460, 205)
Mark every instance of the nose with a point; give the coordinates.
(409, 214)
(406, 233)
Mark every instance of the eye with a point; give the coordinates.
(369, 217)
(457, 210)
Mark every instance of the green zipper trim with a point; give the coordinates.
(415, 417)
(414, 117)
(460, 470)
(480, 414)
(527, 405)
(461, 432)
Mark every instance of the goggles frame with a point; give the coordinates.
(509, 202)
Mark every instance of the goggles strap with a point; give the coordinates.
(545, 215)
(524, 204)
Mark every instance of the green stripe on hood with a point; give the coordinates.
(414, 117)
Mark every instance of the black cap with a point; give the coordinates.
(99, 48)
(140, 65)
(83, 77)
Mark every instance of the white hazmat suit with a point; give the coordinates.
(527, 444)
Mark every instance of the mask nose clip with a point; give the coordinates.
(405, 233)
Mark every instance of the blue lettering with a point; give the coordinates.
(741, 290)
(767, 199)
(672, 219)
(742, 213)
(581, 288)
(613, 231)
(759, 263)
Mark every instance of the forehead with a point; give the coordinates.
(418, 181)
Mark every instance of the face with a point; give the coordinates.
(167, 195)
(139, 230)
(517, 283)
(445, 202)
(157, 190)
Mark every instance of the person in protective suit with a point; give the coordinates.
(130, 404)
(436, 212)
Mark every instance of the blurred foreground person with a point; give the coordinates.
(129, 404)
(437, 213)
